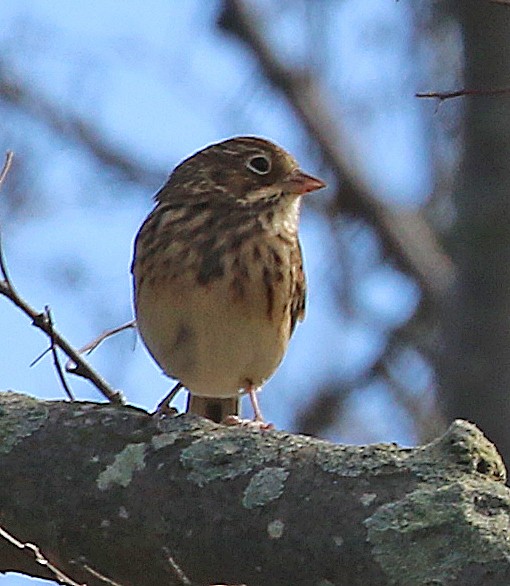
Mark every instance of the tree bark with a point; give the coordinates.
(475, 369)
(113, 490)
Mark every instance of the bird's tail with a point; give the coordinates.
(215, 409)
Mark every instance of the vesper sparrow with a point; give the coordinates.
(218, 273)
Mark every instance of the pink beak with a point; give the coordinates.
(300, 183)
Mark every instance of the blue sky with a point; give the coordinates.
(161, 83)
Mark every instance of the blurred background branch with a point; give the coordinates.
(406, 237)
(18, 94)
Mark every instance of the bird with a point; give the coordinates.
(218, 279)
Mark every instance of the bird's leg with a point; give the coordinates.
(215, 409)
(252, 393)
(258, 421)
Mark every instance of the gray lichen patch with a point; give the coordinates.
(20, 416)
(275, 529)
(265, 486)
(452, 517)
(344, 461)
(226, 454)
(463, 448)
(126, 463)
(164, 439)
(367, 498)
(185, 423)
(352, 461)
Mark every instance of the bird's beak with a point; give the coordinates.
(299, 183)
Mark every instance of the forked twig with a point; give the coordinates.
(42, 321)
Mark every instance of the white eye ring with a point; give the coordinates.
(259, 164)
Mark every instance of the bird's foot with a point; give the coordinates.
(256, 424)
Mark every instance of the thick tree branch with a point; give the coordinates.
(405, 236)
(114, 489)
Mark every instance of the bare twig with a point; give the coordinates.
(56, 361)
(406, 237)
(181, 576)
(178, 571)
(9, 155)
(40, 357)
(100, 576)
(35, 552)
(442, 96)
(164, 405)
(40, 320)
(43, 322)
(88, 348)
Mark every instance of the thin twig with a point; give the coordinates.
(164, 405)
(88, 348)
(40, 357)
(56, 360)
(442, 96)
(41, 321)
(9, 155)
(179, 572)
(100, 576)
(39, 558)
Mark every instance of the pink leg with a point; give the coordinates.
(258, 420)
(252, 393)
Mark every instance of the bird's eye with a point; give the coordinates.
(259, 164)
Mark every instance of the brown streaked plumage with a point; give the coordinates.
(218, 276)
